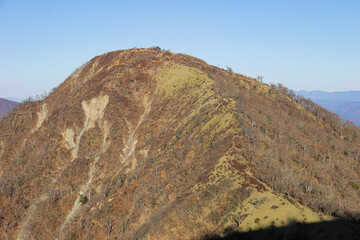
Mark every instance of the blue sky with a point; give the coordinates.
(302, 44)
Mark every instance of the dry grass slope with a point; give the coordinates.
(148, 144)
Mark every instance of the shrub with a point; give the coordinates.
(153, 202)
(155, 48)
(354, 185)
(259, 78)
(82, 198)
(229, 69)
(74, 236)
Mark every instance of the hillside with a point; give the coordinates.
(344, 104)
(6, 106)
(148, 144)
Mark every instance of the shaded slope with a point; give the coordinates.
(333, 230)
(149, 144)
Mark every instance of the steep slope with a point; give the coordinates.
(147, 144)
(6, 106)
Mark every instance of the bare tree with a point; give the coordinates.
(109, 224)
(229, 69)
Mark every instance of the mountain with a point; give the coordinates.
(15, 99)
(6, 106)
(148, 144)
(344, 104)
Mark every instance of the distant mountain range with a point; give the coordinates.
(344, 104)
(6, 106)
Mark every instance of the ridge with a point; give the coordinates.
(149, 144)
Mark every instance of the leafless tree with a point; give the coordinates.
(229, 69)
(108, 228)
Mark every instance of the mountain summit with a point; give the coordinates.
(148, 144)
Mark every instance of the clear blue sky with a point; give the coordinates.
(303, 44)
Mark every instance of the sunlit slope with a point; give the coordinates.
(148, 144)
(230, 197)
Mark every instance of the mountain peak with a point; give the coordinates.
(148, 144)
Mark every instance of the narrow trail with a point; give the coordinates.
(132, 140)
(42, 114)
(94, 111)
(73, 214)
(28, 223)
(41, 118)
(2, 148)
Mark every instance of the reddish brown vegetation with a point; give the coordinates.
(291, 144)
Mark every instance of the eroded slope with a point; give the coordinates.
(146, 144)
